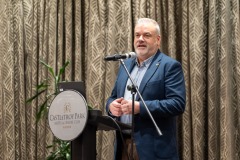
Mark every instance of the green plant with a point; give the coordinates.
(61, 148)
(63, 151)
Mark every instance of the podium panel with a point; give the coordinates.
(84, 147)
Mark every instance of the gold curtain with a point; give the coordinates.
(203, 35)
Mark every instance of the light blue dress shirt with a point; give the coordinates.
(137, 76)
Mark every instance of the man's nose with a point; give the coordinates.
(141, 38)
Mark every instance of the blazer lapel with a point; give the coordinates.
(150, 72)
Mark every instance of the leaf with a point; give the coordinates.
(50, 69)
(62, 70)
(68, 156)
(41, 111)
(43, 85)
(35, 96)
(50, 146)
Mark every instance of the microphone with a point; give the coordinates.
(116, 57)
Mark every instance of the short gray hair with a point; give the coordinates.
(148, 20)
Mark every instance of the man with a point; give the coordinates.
(161, 83)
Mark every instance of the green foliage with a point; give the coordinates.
(43, 88)
(61, 148)
(63, 151)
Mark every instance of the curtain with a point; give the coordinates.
(203, 35)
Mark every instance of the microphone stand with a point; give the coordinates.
(133, 92)
(134, 89)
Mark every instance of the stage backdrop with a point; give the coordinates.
(203, 35)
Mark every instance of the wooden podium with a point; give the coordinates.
(84, 146)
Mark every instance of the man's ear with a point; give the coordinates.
(158, 41)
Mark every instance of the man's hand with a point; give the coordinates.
(115, 107)
(127, 107)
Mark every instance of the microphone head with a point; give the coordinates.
(116, 57)
(132, 54)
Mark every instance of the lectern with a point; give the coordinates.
(84, 146)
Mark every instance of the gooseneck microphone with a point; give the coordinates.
(116, 57)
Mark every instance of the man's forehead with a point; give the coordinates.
(146, 28)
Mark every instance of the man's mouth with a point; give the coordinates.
(141, 46)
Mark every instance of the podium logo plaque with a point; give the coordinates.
(68, 114)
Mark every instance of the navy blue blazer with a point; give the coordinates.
(163, 90)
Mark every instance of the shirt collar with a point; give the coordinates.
(146, 62)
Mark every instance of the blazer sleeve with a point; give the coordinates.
(114, 94)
